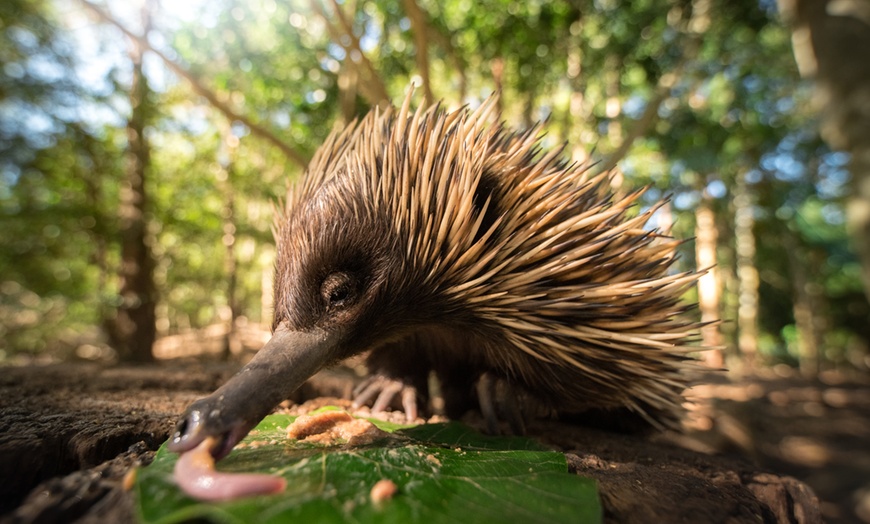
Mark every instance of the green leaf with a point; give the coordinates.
(444, 473)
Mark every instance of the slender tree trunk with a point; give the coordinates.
(747, 273)
(98, 234)
(497, 68)
(348, 86)
(529, 108)
(444, 42)
(578, 117)
(858, 210)
(803, 308)
(820, 308)
(225, 179)
(133, 329)
(421, 45)
(709, 287)
(267, 297)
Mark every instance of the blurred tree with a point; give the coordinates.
(132, 330)
(57, 181)
(826, 35)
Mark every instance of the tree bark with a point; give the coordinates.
(225, 180)
(133, 329)
(578, 115)
(803, 308)
(496, 66)
(747, 273)
(348, 87)
(421, 44)
(709, 287)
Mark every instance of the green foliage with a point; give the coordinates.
(443, 472)
(57, 188)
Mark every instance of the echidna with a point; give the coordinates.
(442, 243)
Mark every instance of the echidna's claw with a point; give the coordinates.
(496, 396)
(485, 392)
(386, 390)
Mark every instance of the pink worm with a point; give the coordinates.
(195, 474)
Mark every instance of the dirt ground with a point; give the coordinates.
(755, 452)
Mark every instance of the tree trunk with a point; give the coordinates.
(803, 306)
(827, 40)
(133, 329)
(496, 66)
(747, 273)
(708, 285)
(577, 116)
(348, 87)
(225, 179)
(421, 45)
(267, 296)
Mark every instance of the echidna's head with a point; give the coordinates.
(340, 273)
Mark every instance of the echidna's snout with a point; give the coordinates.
(281, 366)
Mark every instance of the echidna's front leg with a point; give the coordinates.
(386, 389)
(397, 371)
(497, 396)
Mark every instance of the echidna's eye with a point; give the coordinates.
(338, 290)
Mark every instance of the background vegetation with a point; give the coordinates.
(142, 146)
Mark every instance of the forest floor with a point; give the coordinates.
(69, 433)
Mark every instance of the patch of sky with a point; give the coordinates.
(785, 104)
(665, 110)
(28, 121)
(335, 51)
(752, 83)
(655, 220)
(14, 70)
(784, 166)
(155, 71)
(329, 64)
(717, 189)
(833, 214)
(634, 106)
(23, 38)
(315, 97)
(240, 130)
(44, 69)
(652, 195)
(833, 176)
(193, 120)
(754, 176)
(10, 173)
(686, 200)
(371, 36)
(281, 119)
